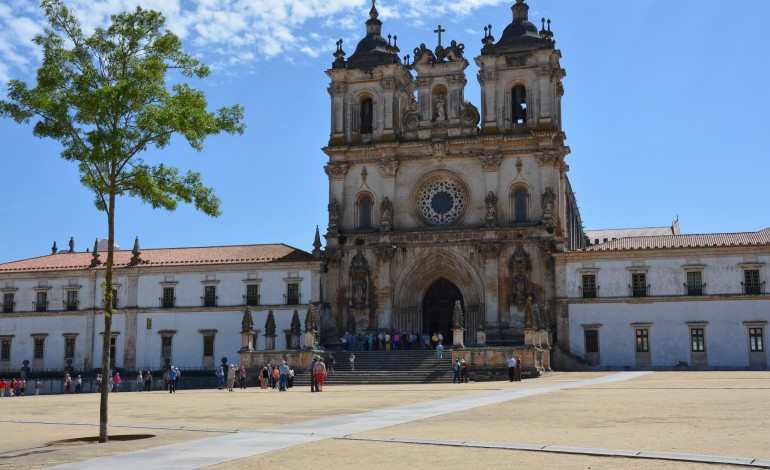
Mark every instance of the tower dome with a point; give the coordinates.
(373, 49)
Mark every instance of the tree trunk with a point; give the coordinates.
(107, 338)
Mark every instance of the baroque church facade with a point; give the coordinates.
(435, 199)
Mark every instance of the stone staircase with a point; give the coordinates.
(386, 367)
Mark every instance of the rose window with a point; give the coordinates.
(441, 202)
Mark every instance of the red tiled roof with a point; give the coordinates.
(761, 237)
(210, 255)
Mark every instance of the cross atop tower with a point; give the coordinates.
(439, 31)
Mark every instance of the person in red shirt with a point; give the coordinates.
(319, 369)
(13, 387)
(3, 386)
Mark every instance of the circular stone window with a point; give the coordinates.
(441, 201)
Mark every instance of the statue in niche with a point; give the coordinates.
(386, 215)
(520, 286)
(439, 110)
(359, 291)
(491, 202)
(334, 216)
(548, 200)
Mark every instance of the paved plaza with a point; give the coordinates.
(640, 420)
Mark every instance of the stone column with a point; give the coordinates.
(490, 253)
(384, 253)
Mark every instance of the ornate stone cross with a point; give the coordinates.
(439, 31)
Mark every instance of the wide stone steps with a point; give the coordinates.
(387, 367)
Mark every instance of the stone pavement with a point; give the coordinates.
(559, 418)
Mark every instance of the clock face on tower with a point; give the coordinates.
(441, 202)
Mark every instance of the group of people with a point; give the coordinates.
(318, 373)
(280, 377)
(68, 384)
(514, 368)
(385, 341)
(17, 387)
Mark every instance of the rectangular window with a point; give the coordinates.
(41, 305)
(589, 286)
(113, 350)
(168, 297)
(71, 303)
(694, 283)
(698, 338)
(208, 346)
(210, 296)
(5, 349)
(69, 348)
(756, 340)
(39, 348)
(115, 298)
(8, 302)
(751, 281)
(639, 284)
(592, 341)
(252, 294)
(292, 293)
(165, 346)
(642, 340)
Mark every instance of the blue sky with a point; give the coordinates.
(665, 110)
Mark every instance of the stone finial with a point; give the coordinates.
(270, 324)
(135, 253)
(457, 317)
(309, 321)
(295, 325)
(95, 255)
(54, 248)
(72, 244)
(317, 244)
(247, 323)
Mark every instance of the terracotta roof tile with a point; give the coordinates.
(210, 255)
(761, 237)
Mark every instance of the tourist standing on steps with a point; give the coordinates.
(440, 350)
(440, 337)
(352, 360)
(331, 361)
(517, 371)
(320, 374)
(511, 367)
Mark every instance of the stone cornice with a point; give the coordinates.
(662, 298)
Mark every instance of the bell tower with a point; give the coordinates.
(520, 77)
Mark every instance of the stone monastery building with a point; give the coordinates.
(434, 202)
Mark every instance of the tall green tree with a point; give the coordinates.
(105, 97)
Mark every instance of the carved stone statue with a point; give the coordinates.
(439, 109)
(386, 215)
(491, 202)
(334, 216)
(520, 287)
(548, 201)
(359, 291)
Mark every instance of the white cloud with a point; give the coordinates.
(240, 30)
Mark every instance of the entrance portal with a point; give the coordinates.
(438, 307)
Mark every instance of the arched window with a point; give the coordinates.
(367, 116)
(520, 203)
(519, 96)
(365, 212)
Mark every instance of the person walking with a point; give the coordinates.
(148, 381)
(352, 359)
(38, 386)
(456, 370)
(67, 384)
(263, 376)
(242, 377)
(98, 382)
(231, 372)
(171, 380)
(511, 367)
(517, 371)
(79, 384)
(276, 377)
(291, 377)
(139, 380)
(117, 381)
(313, 384)
(463, 371)
(220, 373)
(3, 387)
(440, 351)
(283, 371)
(320, 374)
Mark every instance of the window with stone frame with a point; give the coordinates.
(642, 340)
(113, 351)
(292, 293)
(756, 339)
(367, 116)
(166, 346)
(41, 301)
(252, 294)
(589, 286)
(591, 341)
(5, 349)
(209, 296)
(519, 105)
(639, 284)
(39, 352)
(69, 347)
(71, 300)
(694, 283)
(8, 302)
(364, 208)
(697, 340)
(208, 345)
(520, 205)
(169, 297)
(751, 285)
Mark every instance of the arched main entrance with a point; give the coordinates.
(438, 307)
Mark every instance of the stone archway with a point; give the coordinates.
(438, 307)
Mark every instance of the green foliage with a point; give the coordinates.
(105, 98)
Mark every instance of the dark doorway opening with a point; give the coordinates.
(438, 307)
